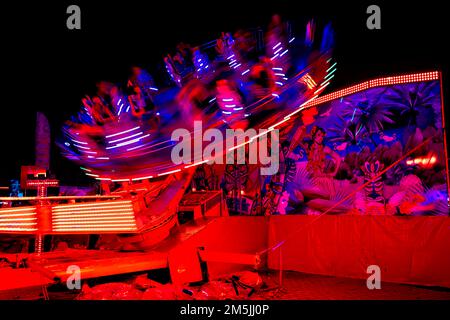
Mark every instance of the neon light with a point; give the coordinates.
(141, 178)
(275, 46)
(18, 229)
(93, 213)
(284, 52)
(127, 137)
(196, 164)
(332, 66)
(128, 142)
(95, 229)
(81, 147)
(246, 71)
(80, 142)
(330, 77)
(292, 40)
(134, 148)
(122, 132)
(17, 215)
(169, 172)
(92, 175)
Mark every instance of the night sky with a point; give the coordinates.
(49, 68)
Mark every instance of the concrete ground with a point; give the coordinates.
(300, 286)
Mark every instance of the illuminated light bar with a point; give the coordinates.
(77, 141)
(101, 203)
(92, 175)
(95, 214)
(327, 80)
(292, 40)
(80, 208)
(278, 50)
(330, 74)
(127, 137)
(128, 142)
(321, 88)
(169, 172)
(12, 229)
(85, 169)
(17, 224)
(103, 179)
(276, 46)
(246, 71)
(332, 66)
(14, 215)
(89, 210)
(226, 112)
(98, 229)
(18, 219)
(108, 222)
(42, 183)
(81, 147)
(102, 158)
(301, 107)
(274, 57)
(28, 209)
(122, 132)
(386, 81)
(95, 217)
(284, 52)
(142, 178)
(196, 164)
(121, 180)
(136, 147)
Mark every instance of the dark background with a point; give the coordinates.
(48, 68)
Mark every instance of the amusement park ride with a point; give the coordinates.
(147, 198)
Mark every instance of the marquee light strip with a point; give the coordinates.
(18, 220)
(385, 81)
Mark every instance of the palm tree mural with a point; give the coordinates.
(347, 131)
(418, 103)
(368, 111)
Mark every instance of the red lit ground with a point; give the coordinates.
(296, 286)
(299, 286)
